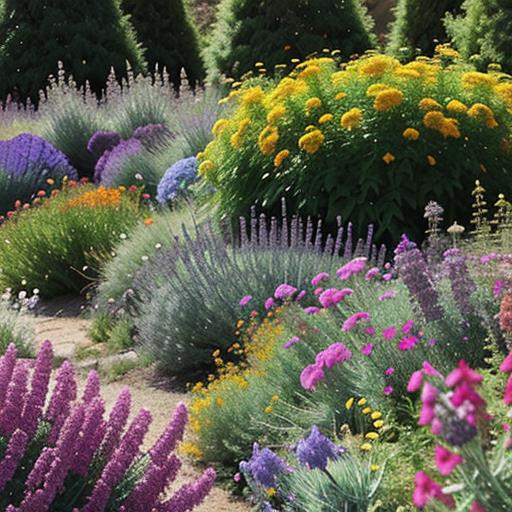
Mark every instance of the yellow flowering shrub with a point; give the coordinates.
(359, 139)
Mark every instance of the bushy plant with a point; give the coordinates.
(204, 277)
(419, 27)
(248, 32)
(66, 455)
(89, 41)
(176, 180)
(29, 165)
(59, 246)
(434, 130)
(169, 37)
(15, 327)
(482, 32)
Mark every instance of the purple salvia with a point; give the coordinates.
(147, 492)
(60, 404)
(329, 245)
(294, 232)
(11, 414)
(40, 468)
(318, 237)
(171, 436)
(369, 240)
(116, 468)
(374, 255)
(13, 455)
(359, 251)
(309, 233)
(413, 269)
(92, 434)
(39, 388)
(339, 237)
(117, 422)
(381, 260)
(263, 235)
(284, 234)
(7, 364)
(461, 282)
(92, 387)
(254, 227)
(190, 495)
(244, 241)
(347, 254)
(274, 233)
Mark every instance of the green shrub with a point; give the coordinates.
(433, 131)
(59, 246)
(89, 40)
(248, 32)
(418, 26)
(15, 328)
(169, 37)
(483, 33)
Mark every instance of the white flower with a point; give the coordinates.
(456, 229)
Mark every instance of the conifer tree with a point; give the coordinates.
(273, 32)
(89, 38)
(483, 33)
(419, 26)
(169, 37)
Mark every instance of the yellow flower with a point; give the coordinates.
(362, 401)
(191, 449)
(280, 157)
(505, 91)
(312, 103)
(389, 158)
(275, 114)
(377, 65)
(366, 447)
(340, 96)
(457, 106)
(378, 424)
(352, 119)
(252, 95)
(220, 126)
(376, 415)
(268, 139)
(367, 410)
(236, 138)
(309, 71)
(268, 409)
(431, 160)
(445, 50)
(220, 401)
(288, 87)
(50, 181)
(259, 64)
(451, 128)
(375, 89)
(481, 110)
(474, 78)
(372, 436)
(411, 134)
(275, 398)
(326, 118)
(407, 73)
(388, 99)
(200, 155)
(374, 467)
(349, 403)
(429, 104)
(205, 167)
(447, 126)
(271, 492)
(311, 142)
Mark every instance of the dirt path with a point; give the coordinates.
(66, 332)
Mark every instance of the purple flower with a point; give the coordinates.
(334, 354)
(245, 300)
(152, 135)
(316, 450)
(322, 276)
(102, 141)
(389, 372)
(389, 332)
(333, 296)
(370, 331)
(300, 295)
(311, 310)
(284, 291)
(498, 287)
(92, 387)
(389, 294)
(408, 343)
(408, 326)
(388, 390)
(352, 267)
(367, 349)
(117, 421)
(109, 166)
(11, 413)
(353, 320)
(264, 467)
(176, 180)
(461, 282)
(7, 364)
(373, 272)
(292, 341)
(311, 376)
(269, 303)
(13, 455)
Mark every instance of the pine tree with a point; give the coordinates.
(89, 38)
(166, 31)
(419, 26)
(483, 33)
(273, 32)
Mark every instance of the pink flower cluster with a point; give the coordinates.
(351, 268)
(80, 439)
(332, 296)
(335, 354)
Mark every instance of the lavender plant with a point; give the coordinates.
(66, 456)
(15, 326)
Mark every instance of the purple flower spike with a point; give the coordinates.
(13, 455)
(292, 341)
(316, 450)
(245, 300)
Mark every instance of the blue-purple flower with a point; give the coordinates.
(316, 450)
(176, 180)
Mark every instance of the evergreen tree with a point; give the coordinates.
(419, 26)
(483, 33)
(273, 32)
(166, 31)
(89, 38)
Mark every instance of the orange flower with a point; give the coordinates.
(149, 221)
(431, 160)
(97, 198)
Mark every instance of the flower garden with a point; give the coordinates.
(290, 238)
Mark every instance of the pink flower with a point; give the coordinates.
(311, 310)
(430, 370)
(389, 333)
(370, 331)
(408, 326)
(408, 343)
(465, 393)
(311, 376)
(336, 353)
(427, 489)
(318, 291)
(477, 507)
(301, 295)
(92, 387)
(463, 374)
(322, 276)
(446, 461)
(428, 398)
(292, 341)
(269, 303)
(333, 296)
(389, 372)
(12, 457)
(508, 392)
(353, 320)
(283, 291)
(245, 300)
(498, 288)
(373, 272)
(352, 267)
(237, 477)
(389, 294)
(506, 366)
(415, 381)
(367, 349)
(388, 390)
(388, 276)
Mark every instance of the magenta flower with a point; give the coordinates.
(269, 303)
(322, 276)
(7, 364)
(428, 398)
(408, 343)
(477, 507)
(427, 490)
(389, 333)
(352, 267)
(373, 272)
(311, 310)
(92, 387)
(311, 376)
(292, 341)
(507, 398)
(334, 354)
(389, 294)
(333, 296)
(446, 461)
(506, 365)
(367, 349)
(13, 455)
(387, 276)
(318, 291)
(300, 295)
(171, 436)
(237, 477)
(245, 300)
(430, 370)
(415, 381)
(408, 326)
(389, 372)
(370, 331)
(388, 390)
(463, 374)
(353, 320)
(284, 291)
(498, 287)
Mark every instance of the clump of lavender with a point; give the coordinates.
(109, 165)
(67, 456)
(102, 141)
(176, 180)
(415, 273)
(461, 282)
(152, 135)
